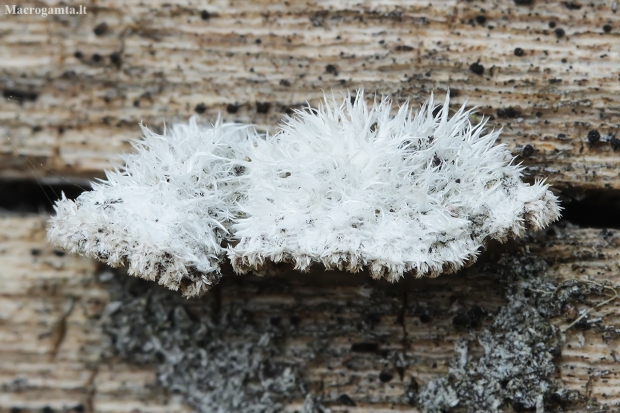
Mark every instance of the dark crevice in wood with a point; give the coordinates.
(585, 208)
(32, 196)
(592, 208)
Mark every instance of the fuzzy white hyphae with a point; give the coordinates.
(167, 212)
(351, 186)
(346, 185)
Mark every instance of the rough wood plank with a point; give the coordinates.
(52, 345)
(65, 113)
(50, 341)
(73, 97)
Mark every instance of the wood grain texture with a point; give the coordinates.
(75, 87)
(50, 341)
(75, 90)
(52, 347)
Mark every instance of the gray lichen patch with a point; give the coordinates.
(516, 371)
(516, 367)
(481, 340)
(215, 372)
(250, 344)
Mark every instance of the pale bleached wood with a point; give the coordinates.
(50, 350)
(169, 60)
(42, 366)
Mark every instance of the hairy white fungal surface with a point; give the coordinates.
(167, 211)
(351, 186)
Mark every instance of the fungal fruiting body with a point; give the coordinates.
(351, 186)
(167, 212)
(348, 185)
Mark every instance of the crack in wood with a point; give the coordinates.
(59, 331)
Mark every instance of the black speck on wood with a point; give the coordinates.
(346, 400)
(403, 48)
(200, 108)
(477, 68)
(262, 107)
(116, 60)
(385, 377)
(556, 351)
(101, 29)
(571, 5)
(593, 137)
(20, 95)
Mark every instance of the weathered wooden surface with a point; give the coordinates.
(51, 344)
(72, 98)
(74, 95)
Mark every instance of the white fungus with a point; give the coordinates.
(167, 211)
(351, 186)
(347, 185)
